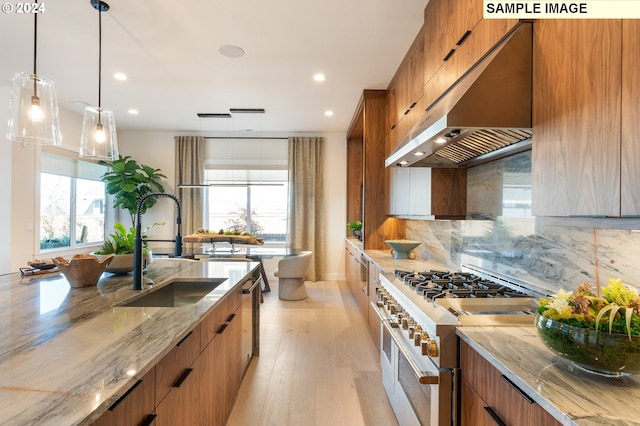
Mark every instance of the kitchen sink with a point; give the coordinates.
(177, 293)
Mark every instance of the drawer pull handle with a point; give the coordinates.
(182, 378)
(517, 389)
(222, 328)
(123, 397)
(184, 338)
(150, 418)
(231, 317)
(463, 38)
(496, 418)
(450, 54)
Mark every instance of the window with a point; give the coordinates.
(249, 186)
(249, 200)
(72, 202)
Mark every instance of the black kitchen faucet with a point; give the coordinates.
(137, 243)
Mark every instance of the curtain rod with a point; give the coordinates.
(246, 137)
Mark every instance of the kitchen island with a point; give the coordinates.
(67, 354)
(572, 396)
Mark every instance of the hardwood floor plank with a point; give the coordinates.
(317, 365)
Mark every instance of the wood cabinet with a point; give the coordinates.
(585, 118)
(406, 86)
(367, 178)
(630, 172)
(488, 397)
(196, 383)
(135, 407)
(452, 48)
(422, 191)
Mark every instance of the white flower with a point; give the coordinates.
(560, 302)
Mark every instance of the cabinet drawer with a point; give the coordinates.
(171, 368)
(219, 315)
(503, 399)
(134, 408)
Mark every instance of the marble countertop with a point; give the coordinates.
(388, 264)
(572, 396)
(66, 354)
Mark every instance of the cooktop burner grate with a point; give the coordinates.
(459, 284)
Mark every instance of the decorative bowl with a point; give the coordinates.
(84, 270)
(607, 354)
(121, 264)
(403, 249)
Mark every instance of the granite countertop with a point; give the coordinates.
(572, 396)
(66, 354)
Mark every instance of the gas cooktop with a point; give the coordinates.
(471, 298)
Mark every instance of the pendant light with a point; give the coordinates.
(98, 139)
(33, 116)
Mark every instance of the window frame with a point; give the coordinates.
(73, 248)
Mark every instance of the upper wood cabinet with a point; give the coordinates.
(367, 178)
(630, 173)
(456, 38)
(585, 96)
(406, 86)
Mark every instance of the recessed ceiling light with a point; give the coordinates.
(319, 77)
(440, 140)
(120, 76)
(328, 113)
(418, 153)
(231, 51)
(133, 111)
(403, 162)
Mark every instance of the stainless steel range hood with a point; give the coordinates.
(487, 110)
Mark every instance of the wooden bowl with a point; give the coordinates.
(84, 270)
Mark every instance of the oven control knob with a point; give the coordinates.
(430, 347)
(417, 335)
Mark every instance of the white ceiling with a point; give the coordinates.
(169, 51)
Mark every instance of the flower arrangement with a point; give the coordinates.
(616, 311)
(599, 334)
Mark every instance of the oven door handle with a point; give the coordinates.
(429, 377)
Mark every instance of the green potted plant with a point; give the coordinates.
(121, 245)
(355, 227)
(128, 181)
(597, 332)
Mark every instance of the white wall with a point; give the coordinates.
(156, 149)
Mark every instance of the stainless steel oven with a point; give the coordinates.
(420, 392)
(419, 312)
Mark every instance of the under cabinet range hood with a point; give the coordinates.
(486, 113)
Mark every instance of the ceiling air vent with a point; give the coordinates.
(214, 115)
(247, 110)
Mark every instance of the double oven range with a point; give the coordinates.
(419, 313)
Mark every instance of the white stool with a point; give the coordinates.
(290, 273)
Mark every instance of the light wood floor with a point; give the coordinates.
(317, 365)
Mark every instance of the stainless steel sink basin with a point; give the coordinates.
(177, 293)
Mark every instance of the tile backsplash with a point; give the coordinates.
(509, 240)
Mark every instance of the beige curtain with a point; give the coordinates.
(190, 170)
(306, 196)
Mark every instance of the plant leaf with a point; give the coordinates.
(601, 314)
(627, 316)
(614, 309)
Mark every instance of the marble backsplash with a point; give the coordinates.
(501, 235)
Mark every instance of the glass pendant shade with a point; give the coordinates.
(34, 111)
(99, 140)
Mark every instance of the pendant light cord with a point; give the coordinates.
(99, 63)
(35, 51)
